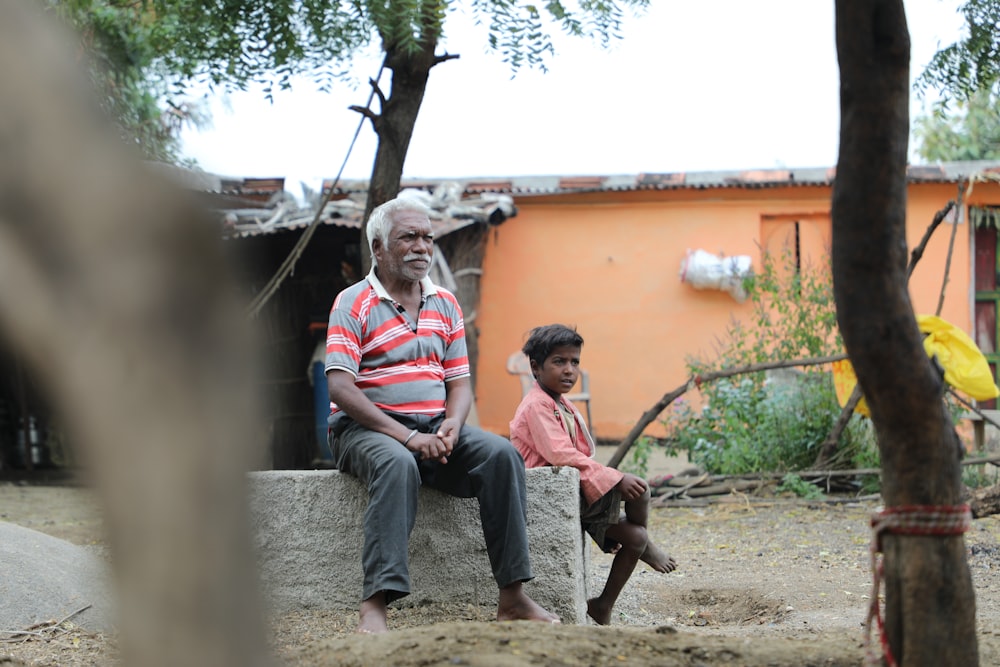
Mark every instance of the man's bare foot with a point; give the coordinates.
(515, 605)
(600, 612)
(372, 618)
(658, 559)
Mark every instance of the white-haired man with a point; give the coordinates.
(398, 374)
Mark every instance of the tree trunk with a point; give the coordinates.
(930, 604)
(394, 127)
(113, 291)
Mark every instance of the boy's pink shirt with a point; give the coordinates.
(538, 432)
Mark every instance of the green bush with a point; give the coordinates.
(792, 483)
(862, 452)
(752, 423)
(750, 426)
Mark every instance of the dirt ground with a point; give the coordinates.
(761, 581)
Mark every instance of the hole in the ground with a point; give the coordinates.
(701, 607)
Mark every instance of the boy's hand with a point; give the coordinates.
(632, 487)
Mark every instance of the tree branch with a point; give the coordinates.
(830, 444)
(378, 91)
(366, 111)
(445, 57)
(918, 252)
(951, 250)
(696, 380)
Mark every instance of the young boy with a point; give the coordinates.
(549, 430)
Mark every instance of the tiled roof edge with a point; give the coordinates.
(697, 180)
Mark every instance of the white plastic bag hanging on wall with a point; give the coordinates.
(703, 270)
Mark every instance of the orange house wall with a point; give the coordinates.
(609, 263)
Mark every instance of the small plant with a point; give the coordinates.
(637, 462)
(976, 476)
(863, 453)
(792, 483)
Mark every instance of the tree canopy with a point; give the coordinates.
(969, 130)
(963, 123)
(235, 42)
(121, 38)
(960, 70)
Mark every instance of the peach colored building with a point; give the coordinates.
(604, 254)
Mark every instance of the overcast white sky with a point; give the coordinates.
(693, 86)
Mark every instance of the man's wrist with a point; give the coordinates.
(410, 437)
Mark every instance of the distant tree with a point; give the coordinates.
(233, 43)
(967, 130)
(964, 122)
(972, 64)
(120, 38)
(929, 599)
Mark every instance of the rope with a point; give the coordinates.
(937, 520)
(289, 264)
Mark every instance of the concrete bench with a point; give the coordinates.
(307, 527)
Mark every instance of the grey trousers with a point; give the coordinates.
(482, 465)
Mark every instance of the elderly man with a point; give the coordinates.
(398, 373)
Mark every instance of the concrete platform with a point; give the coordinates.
(307, 526)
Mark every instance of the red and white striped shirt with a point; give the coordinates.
(398, 368)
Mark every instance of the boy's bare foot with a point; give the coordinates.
(515, 605)
(372, 617)
(658, 559)
(598, 611)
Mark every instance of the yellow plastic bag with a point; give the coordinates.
(965, 367)
(844, 381)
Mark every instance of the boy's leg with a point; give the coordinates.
(487, 467)
(632, 538)
(390, 474)
(637, 512)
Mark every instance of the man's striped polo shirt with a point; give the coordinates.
(397, 368)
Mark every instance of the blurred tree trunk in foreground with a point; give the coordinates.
(113, 291)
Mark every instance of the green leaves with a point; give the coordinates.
(972, 64)
(233, 43)
(792, 483)
(755, 422)
(120, 40)
(969, 130)
(148, 53)
(522, 34)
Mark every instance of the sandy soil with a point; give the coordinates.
(761, 581)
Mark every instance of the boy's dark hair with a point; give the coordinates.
(542, 340)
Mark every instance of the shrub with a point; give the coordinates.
(759, 422)
(792, 483)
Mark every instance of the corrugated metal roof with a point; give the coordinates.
(750, 179)
(254, 206)
(450, 211)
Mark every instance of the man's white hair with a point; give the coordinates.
(381, 220)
